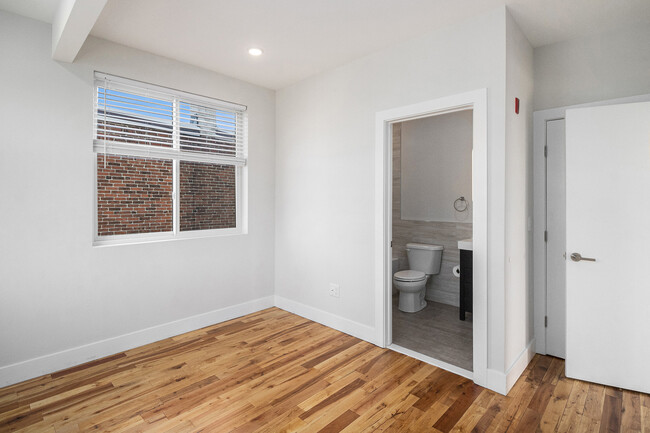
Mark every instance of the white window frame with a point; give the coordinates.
(241, 168)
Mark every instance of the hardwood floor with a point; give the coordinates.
(273, 371)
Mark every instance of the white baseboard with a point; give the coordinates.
(46, 364)
(339, 323)
(520, 364)
(18, 372)
(496, 381)
(503, 382)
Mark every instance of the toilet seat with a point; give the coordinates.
(410, 276)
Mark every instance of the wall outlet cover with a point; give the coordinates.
(335, 290)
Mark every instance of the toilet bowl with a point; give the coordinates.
(411, 286)
(424, 260)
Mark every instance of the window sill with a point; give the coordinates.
(110, 241)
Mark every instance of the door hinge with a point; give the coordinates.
(391, 244)
(545, 236)
(545, 321)
(545, 151)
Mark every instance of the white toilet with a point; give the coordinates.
(424, 260)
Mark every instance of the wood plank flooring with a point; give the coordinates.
(273, 371)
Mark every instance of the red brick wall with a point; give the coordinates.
(134, 195)
(161, 135)
(207, 196)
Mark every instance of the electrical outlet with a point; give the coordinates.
(335, 290)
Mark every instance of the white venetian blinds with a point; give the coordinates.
(138, 119)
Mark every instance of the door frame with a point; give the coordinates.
(540, 118)
(477, 101)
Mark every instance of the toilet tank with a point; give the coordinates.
(424, 257)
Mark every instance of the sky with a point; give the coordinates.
(150, 108)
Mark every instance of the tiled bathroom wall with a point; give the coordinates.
(444, 286)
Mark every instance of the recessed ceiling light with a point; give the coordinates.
(255, 52)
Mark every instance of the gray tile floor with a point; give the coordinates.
(435, 331)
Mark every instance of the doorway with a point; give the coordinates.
(607, 214)
(432, 233)
(475, 101)
(549, 232)
(555, 237)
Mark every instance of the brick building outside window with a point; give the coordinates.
(169, 163)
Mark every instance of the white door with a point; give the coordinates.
(556, 238)
(608, 219)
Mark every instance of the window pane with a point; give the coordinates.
(134, 195)
(207, 196)
(207, 130)
(132, 118)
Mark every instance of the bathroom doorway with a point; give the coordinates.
(432, 184)
(431, 226)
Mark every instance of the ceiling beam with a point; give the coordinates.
(73, 21)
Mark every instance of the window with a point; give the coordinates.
(169, 163)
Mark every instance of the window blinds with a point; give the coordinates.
(139, 119)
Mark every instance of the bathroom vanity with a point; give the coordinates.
(466, 284)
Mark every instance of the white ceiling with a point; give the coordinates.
(304, 37)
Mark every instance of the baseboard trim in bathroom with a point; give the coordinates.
(433, 361)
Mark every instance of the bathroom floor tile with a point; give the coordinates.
(435, 331)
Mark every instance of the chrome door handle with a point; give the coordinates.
(576, 257)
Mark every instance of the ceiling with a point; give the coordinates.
(301, 38)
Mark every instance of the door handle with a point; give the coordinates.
(576, 257)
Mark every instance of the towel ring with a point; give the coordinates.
(460, 204)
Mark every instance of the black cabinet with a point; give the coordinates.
(466, 286)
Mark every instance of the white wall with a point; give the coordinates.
(57, 292)
(605, 66)
(436, 158)
(325, 165)
(519, 202)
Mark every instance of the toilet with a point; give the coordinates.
(424, 260)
